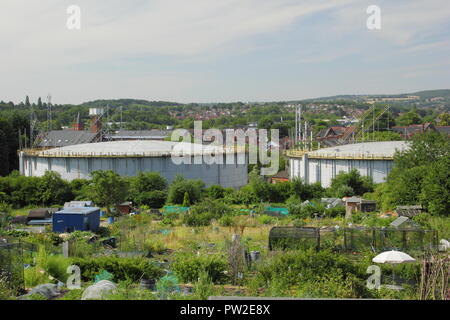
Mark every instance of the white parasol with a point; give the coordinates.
(393, 257)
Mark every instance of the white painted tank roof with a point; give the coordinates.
(382, 148)
(130, 148)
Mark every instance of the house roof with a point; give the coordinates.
(408, 211)
(140, 134)
(281, 175)
(352, 200)
(39, 214)
(62, 138)
(413, 128)
(74, 204)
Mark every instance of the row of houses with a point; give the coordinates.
(330, 136)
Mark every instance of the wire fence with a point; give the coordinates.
(353, 239)
(12, 265)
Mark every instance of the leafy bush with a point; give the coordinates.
(34, 276)
(202, 213)
(74, 294)
(358, 184)
(152, 199)
(333, 285)
(57, 267)
(215, 192)
(297, 267)
(121, 268)
(265, 219)
(204, 286)
(189, 267)
(180, 186)
(197, 220)
(227, 221)
(335, 212)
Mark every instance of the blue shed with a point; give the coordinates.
(76, 219)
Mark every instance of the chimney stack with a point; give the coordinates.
(96, 124)
(78, 126)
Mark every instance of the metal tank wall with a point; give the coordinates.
(324, 170)
(226, 175)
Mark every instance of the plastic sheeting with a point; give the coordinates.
(98, 290)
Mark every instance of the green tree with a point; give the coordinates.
(148, 181)
(215, 192)
(186, 201)
(436, 188)
(153, 199)
(4, 154)
(419, 175)
(53, 189)
(108, 189)
(180, 186)
(353, 179)
(411, 117)
(444, 119)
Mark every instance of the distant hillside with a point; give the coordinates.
(445, 93)
(128, 102)
(426, 94)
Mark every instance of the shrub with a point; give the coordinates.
(215, 192)
(335, 212)
(34, 276)
(180, 186)
(204, 286)
(57, 267)
(74, 294)
(265, 219)
(202, 213)
(121, 268)
(296, 267)
(189, 267)
(227, 221)
(197, 220)
(152, 199)
(333, 285)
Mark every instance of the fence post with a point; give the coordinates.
(65, 249)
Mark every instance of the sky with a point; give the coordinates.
(221, 50)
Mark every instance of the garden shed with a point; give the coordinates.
(125, 207)
(74, 204)
(41, 216)
(409, 211)
(76, 219)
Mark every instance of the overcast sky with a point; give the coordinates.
(221, 50)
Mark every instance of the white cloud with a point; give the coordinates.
(39, 53)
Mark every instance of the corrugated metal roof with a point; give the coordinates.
(132, 148)
(78, 210)
(62, 138)
(386, 148)
(140, 134)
